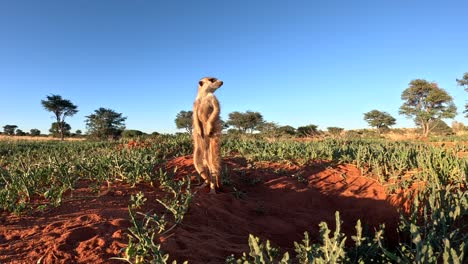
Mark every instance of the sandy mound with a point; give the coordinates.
(273, 201)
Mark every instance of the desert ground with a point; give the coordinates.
(270, 203)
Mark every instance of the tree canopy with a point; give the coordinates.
(105, 123)
(426, 102)
(335, 131)
(61, 109)
(132, 133)
(184, 121)
(9, 129)
(464, 83)
(380, 120)
(287, 130)
(20, 132)
(245, 121)
(307, 131)
(269, 129)
(35, 132)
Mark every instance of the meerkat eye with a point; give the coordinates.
(213, 80)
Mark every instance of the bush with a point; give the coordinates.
(131, 133)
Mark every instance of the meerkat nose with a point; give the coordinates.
(221, 82)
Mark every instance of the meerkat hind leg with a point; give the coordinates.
(200, 163)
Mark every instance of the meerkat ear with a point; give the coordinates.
(200, 83)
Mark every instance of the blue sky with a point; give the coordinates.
(296, 62)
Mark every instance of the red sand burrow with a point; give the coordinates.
(279, 208)
(270, 200)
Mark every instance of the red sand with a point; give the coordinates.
(278, 207)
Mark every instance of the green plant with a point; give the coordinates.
(142, 247)
(260, 253)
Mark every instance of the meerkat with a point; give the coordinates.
(207, 133)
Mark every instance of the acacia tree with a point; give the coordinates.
(426, 102)
(269, 129)
(335, 131)
(464, 83)
(307, 131)
(56, 132)
(184, 121)
(105, 123)
(9, 129)
(287, 130)
(245, 121)
(61, 109)
(380, 120)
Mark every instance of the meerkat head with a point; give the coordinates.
(209, 84)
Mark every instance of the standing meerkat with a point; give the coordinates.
(207, 133)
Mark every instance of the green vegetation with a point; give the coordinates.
(141, 246)
(47, 169)
(434, 230)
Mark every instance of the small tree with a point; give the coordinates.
(269, 129)
(245, 121)
(380, 120)
(441, 128)
(458, 127)
(464, 83)
(61, 109)
(20, 132)
(60, 130)
(335, 131)
(184, 120)
(35, 132)
(9, 129)
(287, 130)
(132, 133)
(105, 123)
(307, 131)
(79, 132)
(426, 102)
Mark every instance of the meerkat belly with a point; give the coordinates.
(204, 112)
